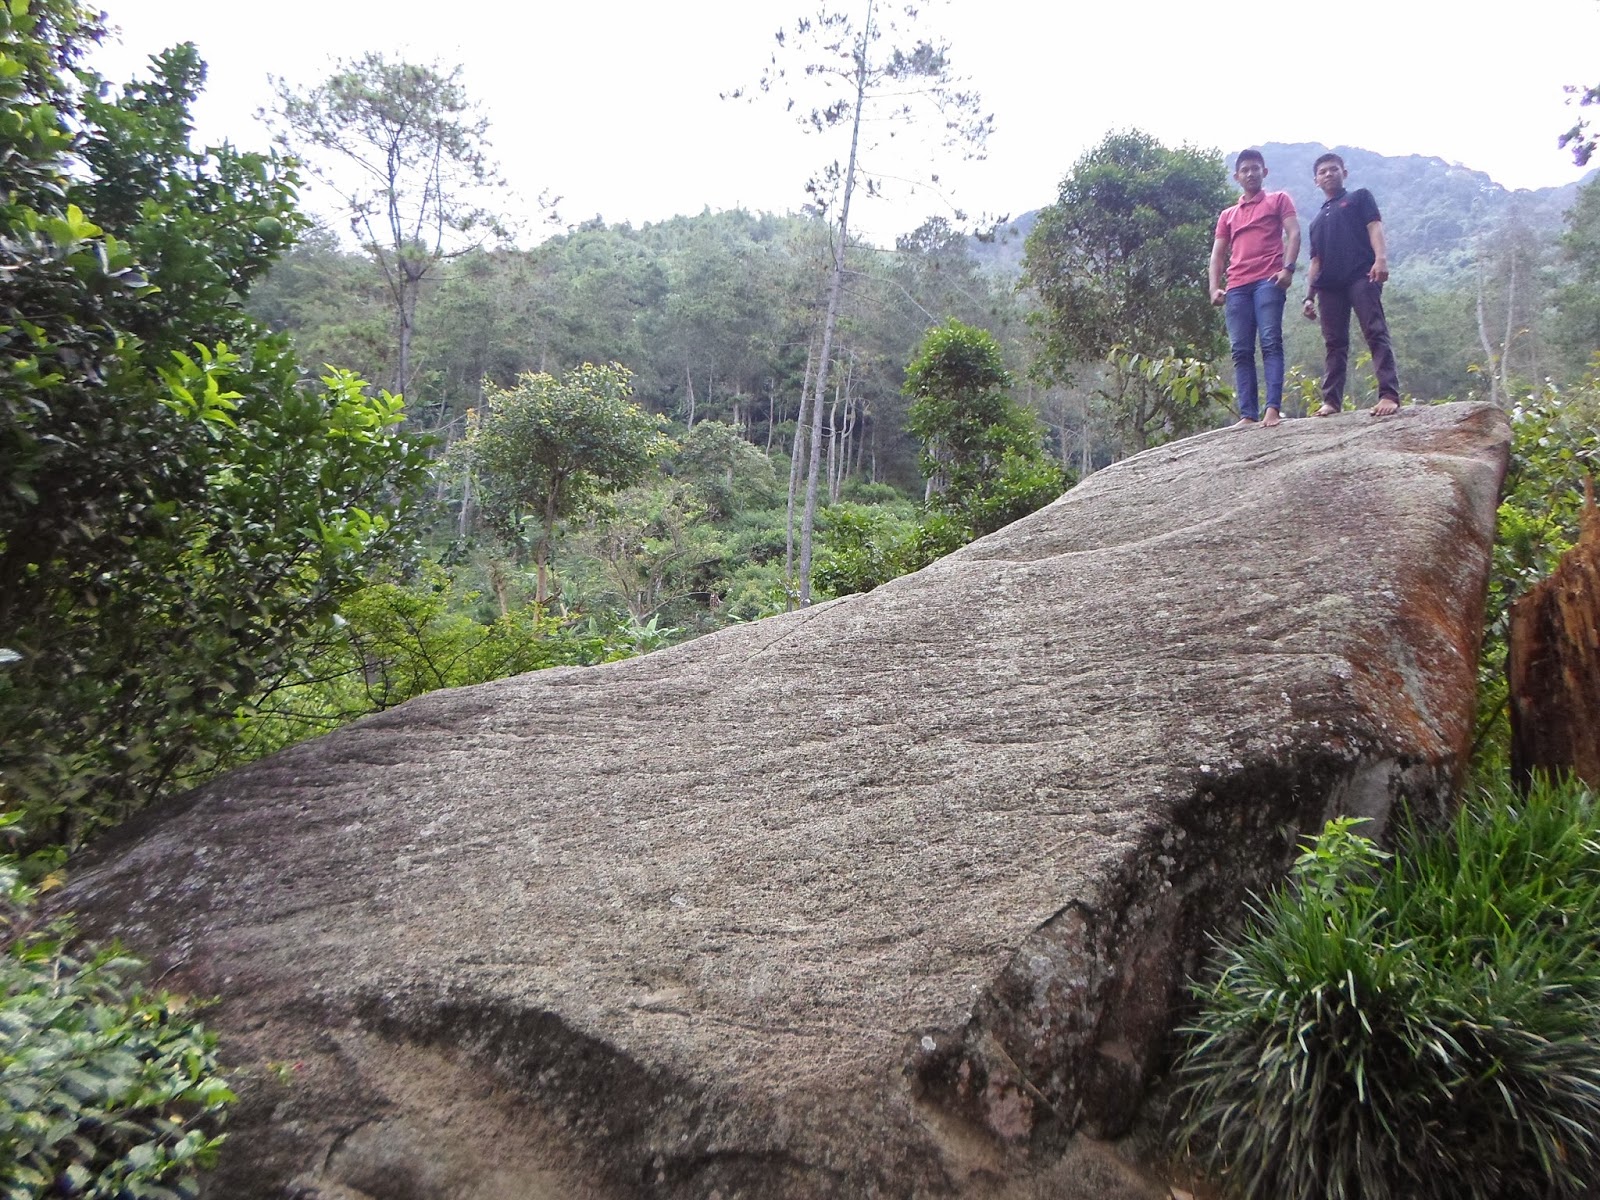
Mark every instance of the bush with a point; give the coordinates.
(107, 1091)
(861, 548)
(1025, 485)
(1426, 1026)
(860, 491)
(178, 508)
(393, 642)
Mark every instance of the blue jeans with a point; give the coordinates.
(1249, 310)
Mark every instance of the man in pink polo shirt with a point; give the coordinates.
(1259, 240)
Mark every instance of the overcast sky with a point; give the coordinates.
(613, 104)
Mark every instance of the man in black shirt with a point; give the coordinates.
(1349, 263)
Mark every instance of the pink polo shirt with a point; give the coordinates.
(1253, 231)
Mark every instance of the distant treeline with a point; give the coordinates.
(715, 315)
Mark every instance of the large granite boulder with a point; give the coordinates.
(891, 897)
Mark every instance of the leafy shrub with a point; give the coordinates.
(177, 507)
(757, 590)
(107, 1091)
(395, 641)
(860, 491)
(980, 449)
(1426, 1026)
(758, 536)
(861, 548)
(1024, 485)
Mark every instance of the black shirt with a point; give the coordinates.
(1339, 240)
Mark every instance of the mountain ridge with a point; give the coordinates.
(1434, 210)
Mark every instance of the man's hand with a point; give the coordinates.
(1284, 279)
(1309, 309)
(1218, 296)
(1380, 270)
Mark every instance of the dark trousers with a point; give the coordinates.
(1365, 299)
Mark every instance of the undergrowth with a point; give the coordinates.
(108, 1091)
(1425, 1025)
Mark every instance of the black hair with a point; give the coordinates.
(1326, 158)
(1249, 156)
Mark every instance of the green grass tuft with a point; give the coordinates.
(1421, 1026)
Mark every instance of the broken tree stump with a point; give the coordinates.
(1553, 665)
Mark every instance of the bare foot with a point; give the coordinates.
(1272, 418)
(1246, 423)
(1327, 410)
(1387, 406)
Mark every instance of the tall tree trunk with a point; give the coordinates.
(860, 436)
(464, 517)
(410, 285)
(497, 582)
(1087, 463)
(772, 413)
(831, 320)
(542, 556)
(833, 446)
(794, 476)
(1492, 367)
(688, 380)
(843, 435)
(1505, 346)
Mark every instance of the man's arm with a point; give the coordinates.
(1380, 251)
(1291, 249)
(1309, 308)
(1219, 254)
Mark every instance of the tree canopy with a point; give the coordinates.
(406, 150)
(979, 446)
(1119, 258)
(178, 505)
(545, 448)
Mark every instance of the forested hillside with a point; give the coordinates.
(714, 315)
(712, 312)
(1433, 211)
(717, 320)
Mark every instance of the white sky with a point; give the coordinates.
(613, 104)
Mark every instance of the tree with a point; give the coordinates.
(1155, 397)
(725, 472)
(328, 299)
(866, 83)
(546, 448)
(1582, 140)
(1510, 301)
(179, 506)
(1577, 323)
(654, 546)
(982, 453)
(406, 151)
(1118, 259)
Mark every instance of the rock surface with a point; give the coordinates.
(884, 898)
